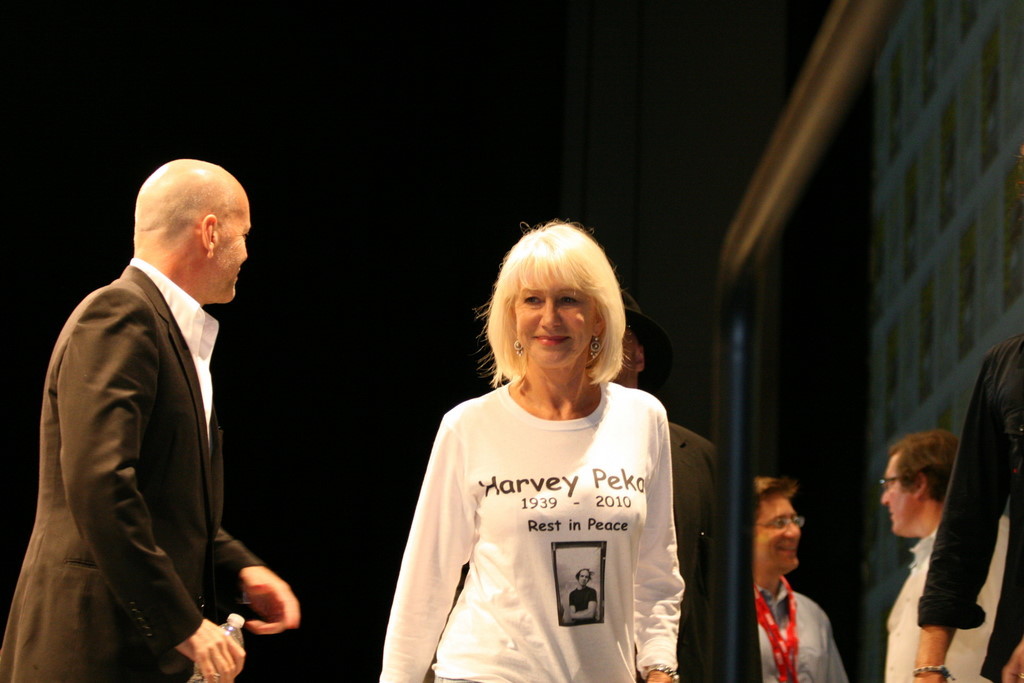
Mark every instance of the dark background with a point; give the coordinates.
(390, 155)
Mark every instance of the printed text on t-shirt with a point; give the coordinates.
(617, 482)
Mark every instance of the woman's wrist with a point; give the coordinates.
(937, 672)
(662, 673)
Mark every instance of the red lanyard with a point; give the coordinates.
(783, 649)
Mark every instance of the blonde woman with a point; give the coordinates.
(555, 469)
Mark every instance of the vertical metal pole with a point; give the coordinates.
(734, 623)
(831, 77)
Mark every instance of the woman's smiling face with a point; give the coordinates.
(555, 325)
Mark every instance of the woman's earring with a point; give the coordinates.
(595, 347)
(518, 347)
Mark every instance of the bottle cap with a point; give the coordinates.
(236, 620)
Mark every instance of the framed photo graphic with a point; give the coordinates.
(579, 581)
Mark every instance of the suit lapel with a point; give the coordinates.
(188, 368)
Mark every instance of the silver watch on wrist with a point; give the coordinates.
(665, 669)
(941, 670)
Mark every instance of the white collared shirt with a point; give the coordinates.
(197, 326)
(818, 659)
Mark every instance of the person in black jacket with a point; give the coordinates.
(647, 361)
(986, 473)
(119, 580)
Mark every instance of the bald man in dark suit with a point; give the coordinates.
(118, 581)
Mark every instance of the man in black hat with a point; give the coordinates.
(647, 360)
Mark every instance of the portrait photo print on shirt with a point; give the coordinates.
(579, 568)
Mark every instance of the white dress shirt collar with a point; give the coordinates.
(923, 549)
(198, 327)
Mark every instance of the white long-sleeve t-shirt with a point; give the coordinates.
(529, 503)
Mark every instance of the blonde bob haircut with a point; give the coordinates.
(556, 254)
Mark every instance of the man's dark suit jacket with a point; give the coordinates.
(130, 493)
(693, 462)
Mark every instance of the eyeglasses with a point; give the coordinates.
(783, 522)
(887, 483)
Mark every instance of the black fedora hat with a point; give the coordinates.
(657, 346)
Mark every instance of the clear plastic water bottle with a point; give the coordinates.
(233, 627)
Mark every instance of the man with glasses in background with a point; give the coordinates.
(914, 490)
(794, 632)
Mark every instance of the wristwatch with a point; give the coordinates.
(941, 670)
(665, 669)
